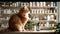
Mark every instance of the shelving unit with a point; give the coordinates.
(41, 13)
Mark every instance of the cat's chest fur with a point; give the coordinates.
(25, 18)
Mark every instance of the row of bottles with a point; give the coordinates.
(42, 4)
(5, 18)
(43, 26)
(8, 11)
(45, 17)
(15, 4)
(38, 11)
(31, 4)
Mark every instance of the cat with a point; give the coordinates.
(18, 21)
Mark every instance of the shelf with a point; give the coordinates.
(8, 7)
(41, 31)
(13, 7)
(5, 15)
(44, 14)
(43, 20)
(41, 7)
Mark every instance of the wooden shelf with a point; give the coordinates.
(41, 7)
(8, 7)
(5, 15)
(44, 14)
(43, 20)
(13, 7)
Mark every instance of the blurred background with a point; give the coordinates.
(43, 15)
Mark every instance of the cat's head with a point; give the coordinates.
(24, 9)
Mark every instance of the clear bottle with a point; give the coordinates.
(47, 24)
(37, 4)
(48, 17)
(41, 4)
(30, 4)
(54, 11)
(44, 3)
(5, 11)
(17, 4)
(37, 11)
(51, 4)
(32, 11)
(33, 4)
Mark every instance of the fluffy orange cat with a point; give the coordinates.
(18, 21)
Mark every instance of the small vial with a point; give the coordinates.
(48, 11)
(51, 11)
(44, 4)
(54, 11)
(37, 4)
(30, 4)
(34, 11)
(51, 4)
(33, 4)
(41, 4)
(48, 17)
(37, 11)
(40, 11)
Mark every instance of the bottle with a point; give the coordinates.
(54, 11)
(44, 3)
(41, 4)
(27, 4)
(52, 25)
(51, 4)
(21, 3)
(52, 17)
(30, 4)
(37, 4)
(5, 11)
(34, 27)
(45, 11)
(33, 4)
(9, 11)
(54, 4)
(40, 11)
(45, 18)
(37, 18)
(17, 4)
(48, 17)
(34, 11)
(37, 11)
(47, 24)
(48, 11)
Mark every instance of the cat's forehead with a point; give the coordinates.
(24, 7)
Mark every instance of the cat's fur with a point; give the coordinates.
(18, 21)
